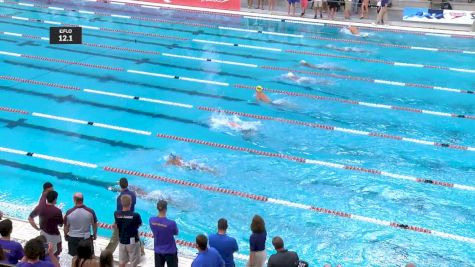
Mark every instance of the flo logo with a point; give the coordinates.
(65, 35)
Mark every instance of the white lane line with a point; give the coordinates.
(469, 52)
(324, 163)
(447, 89)
(152, 7)
(52, 22)
(418, 141)
(13, 34)
(402, 64)
(45, 38)
(89, 27)
(170, 103)
(13, 151)
(390, 82)
(257, 18)
(203, 81)
(437, 113)
(211, 60)
(56, 8)
(10, 54)
(307, 23)
(283, 34)
(123, 129)
(25, 4)
(63, 160)
(236, 29)
(375, 105)
(118, 3)
(86, 12)
(212, 42)
(120, 16)
(19, 18)
(261, 48)
(424, 48)
(47, 116)
(462, 70)
(151, 74)
(438, 34)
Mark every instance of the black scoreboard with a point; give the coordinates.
(65, 35)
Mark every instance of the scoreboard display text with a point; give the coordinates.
(65, 35)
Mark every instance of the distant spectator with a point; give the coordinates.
(283, 258)
(271, 5)
(410, 264)
(106, 259)
(127, 223)
(333, 5)
(124, 190)
(50, 218)
(207, 257)
(85, 255)
(347, 10)
(78, 222)
(34, 249)
(260, 4)
(12, 250)
(224, 244)
(318, 6)
(164, 230)
(257, 243)
(292, 5)
(382, 17)
(303, 6)
(364, 9)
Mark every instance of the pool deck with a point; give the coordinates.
(22, 232)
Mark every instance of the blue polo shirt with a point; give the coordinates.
(225, 245)
(208, 258)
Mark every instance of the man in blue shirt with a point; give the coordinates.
(164, 230)
(224, 244)
(124, 190)
(207, 257)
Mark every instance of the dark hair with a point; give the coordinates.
(123, 182)
(222, 224)
(106, 259)
(84, 251)
(47, 185)
(258, 225)
(42, 242)
(33, 249)
(277, 242)
(202, 242)
(6, 227)
(51, 196)
(162, 205)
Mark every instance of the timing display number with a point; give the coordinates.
(65, 35)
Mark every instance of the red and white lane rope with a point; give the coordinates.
(251, 197)
(370, 80)
(243, 114)
(95, 66)
(356, 102)
(240, 29)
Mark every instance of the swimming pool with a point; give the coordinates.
(367, 162)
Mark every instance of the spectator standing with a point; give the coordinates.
(271, 5)
(127, 223)
(164, 230)
(364, 9)
(207, 257)
(292, 5)
(34, 249)
(124, 190)
(383, 13)
(347, 10)
(78, 222)
(303, 6)
(223, 243)
(283, 257)
(257, 243)
(85, 255)
(318, 6)
(12, 250)
(50, 218)
(333, 5)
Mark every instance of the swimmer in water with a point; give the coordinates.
(261, 96)
(354, 30)
(141, 193)
(299, 79)
(320, 67)
(179, 162)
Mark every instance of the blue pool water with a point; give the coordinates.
(317, 237)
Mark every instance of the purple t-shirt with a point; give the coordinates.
(12, 250)
(50, 218)
(257, 241)
(38, 264)
(164, 231)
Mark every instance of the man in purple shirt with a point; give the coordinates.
(33, 250)
(124, 190)
(207, 257)
(164, 231)
(50, 218)
(78, 222)
(12, 250)
(224, 244)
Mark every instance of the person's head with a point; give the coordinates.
(278, 243)
(201, 242)
(162, 206)
(410, 264)
(78, 198)
(222, 225)
(33, 249)
(84, 249)
(259, 89)
(47, 187)
(51, 197)
(106, 259)
(125, 201)
(124, 183)
(6, 228)
(42, 243)
(258, 225)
